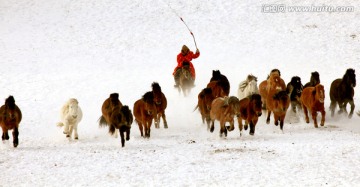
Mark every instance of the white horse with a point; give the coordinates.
(248, 87)
(71, 116)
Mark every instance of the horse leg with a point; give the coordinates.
(293, 106)
(66, 129)
(15, 136)
(141, 129)
(5, 135)
(212, 126)
(314, 114)
(268, 117)
(322, 117)
(222, 128)
(76, 136)
(71, 128)
(164, 119)
(121, 130)
(282, 122)
(240, 125)
(157, 121)
(352, 108)
(332, 107)
(231, 127)
(276, 119)
(252, 128)
(306, 114)
(128, 134)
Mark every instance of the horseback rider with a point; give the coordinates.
(185, 56)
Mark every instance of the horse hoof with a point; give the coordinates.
(251, 133)
(67, 136)
(127, 139)
(165, 126)
(76, 138)
(245, 127)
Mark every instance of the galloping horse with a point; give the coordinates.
(294, 88)
(250, 110)
(342, 92)
(224, 110)
(10, 118)
(274, 81)
(70, 115)
(145, 112)
(186, 82)
(217, 88)
(312, 98)
(314, 79)
(225, 84)
(116, 116)
(248, 87)
(161, 104)
(278, 103)
(205, 99)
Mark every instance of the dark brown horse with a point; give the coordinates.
(342, 92)
(186, 82)
(225, 84)
(116, 116)
(314, 79)
(294, 88)
(161, 104)
(250, 110)
(278, 103)
(145, 112)
(205, 99)
(224, 110)
(10, 118)
(312, 99)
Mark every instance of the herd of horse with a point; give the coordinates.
(214, 104)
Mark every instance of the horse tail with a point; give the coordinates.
(60, 124)
(102, 122)
(197, 106)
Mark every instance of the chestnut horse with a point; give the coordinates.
(294, 88)
(217, 88)
(278, 103)
(186, 82)
(250, 110)
(205, 99)
(10, 118)
(116, 116)
(274, 81)
(224, 110)
(161, 104)
(342, 92)
(145, 112)
(314, 79)
(224, 82)
(312, 99)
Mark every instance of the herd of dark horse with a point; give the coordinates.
(215, 104)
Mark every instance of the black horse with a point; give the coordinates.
(217, 76)
(294, 88)
(314, 80)
(342, 92)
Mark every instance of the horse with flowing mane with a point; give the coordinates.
(248, 87)
(312, 99)
(342, 93)
(145, 112)
(250, 111)
(161, 104)
(116, 116)
(186, 82)
(10, 118)
(70, 115)
(224, 110)
(205, 98)
(294, 88)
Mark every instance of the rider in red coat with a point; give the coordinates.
(185, 56)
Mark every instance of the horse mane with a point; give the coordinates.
(251, 77)
(216, 75)
(254, 97)
(349, 76)
(315, 78)
(295, 80)
(10, 102)
(148, 97)
(72, 100)
(156, 87)
(230, 100)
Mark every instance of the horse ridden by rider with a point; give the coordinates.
(185, 57)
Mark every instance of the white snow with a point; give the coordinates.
(53, 50)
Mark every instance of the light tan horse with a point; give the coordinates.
(71, 115)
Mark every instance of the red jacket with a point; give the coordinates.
(188, 57)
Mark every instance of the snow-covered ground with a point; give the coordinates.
(53, 50)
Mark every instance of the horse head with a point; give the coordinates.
(10, 107)
(282, 100)
(315, 78)
(150, 107)
(319, 93)
(350, 77)
(274, 82)
(255, 100)
(73, 106)
(233, 105)
(156, 89)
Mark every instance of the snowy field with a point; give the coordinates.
(53, 50)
